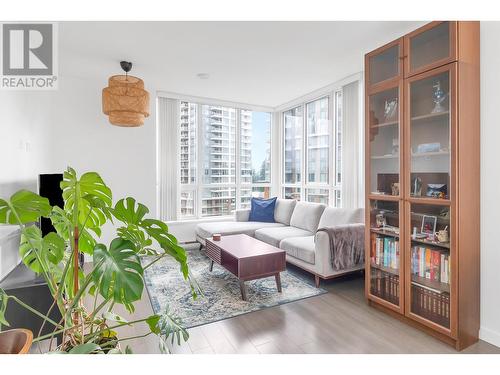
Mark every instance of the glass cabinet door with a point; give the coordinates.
(430, 259)
(384, 142)
(385, 252)
(430, 99)
(430, 46)
(384, 64)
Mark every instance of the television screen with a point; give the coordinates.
(49, 187)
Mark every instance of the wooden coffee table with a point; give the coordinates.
(247, 258)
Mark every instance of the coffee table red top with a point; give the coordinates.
(244, 246)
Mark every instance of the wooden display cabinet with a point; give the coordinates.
(422, 180)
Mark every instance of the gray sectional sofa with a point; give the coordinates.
(296, 231)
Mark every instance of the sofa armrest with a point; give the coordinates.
(241, 215)
(343, 227)
(345, 234)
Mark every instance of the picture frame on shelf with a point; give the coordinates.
(428, 225)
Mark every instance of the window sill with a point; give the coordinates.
(201, 220)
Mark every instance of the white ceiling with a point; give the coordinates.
(264, 63)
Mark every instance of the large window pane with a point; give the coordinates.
(219, 140)
(208, 161)
(317, 195)
(188, 136)
(248, 192)
(291, 193)
(293, 120)
(318, 141)
(338, 198)
(217, 201)
(338, 138)
(255, 147)
(188, 199)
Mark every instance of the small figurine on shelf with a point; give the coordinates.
(445, 213)
(395, 146)
(395, 188)
(390, 108)
(380, 220)
(417, 187)
(438, 97)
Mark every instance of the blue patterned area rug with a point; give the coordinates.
(222, 298)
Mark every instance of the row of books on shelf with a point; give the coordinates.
(430, 264)
(431, 305)
(385, 251)
(385, 286)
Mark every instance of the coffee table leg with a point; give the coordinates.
(243, 290)
(278, 282)
(211, 265)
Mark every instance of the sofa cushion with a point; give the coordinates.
(205, 230)
(337, 216)
(273, 236)
(302, 248)
(307, 215)
(283, 211)
(262, 210)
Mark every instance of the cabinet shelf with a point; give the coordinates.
(436, 286)
(413, 155)
(434, 153)
(392, 271)
(384, 232)
(384, 124)
(430, 116)
(444, 245)
(379, 157)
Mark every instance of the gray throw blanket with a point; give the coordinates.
(347, 245)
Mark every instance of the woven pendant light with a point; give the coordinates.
(124, 100)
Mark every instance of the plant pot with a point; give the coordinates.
(15, 341)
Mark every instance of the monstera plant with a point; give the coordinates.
(86, 297)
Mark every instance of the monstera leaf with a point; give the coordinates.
(140, 231)
(89, 194)
(126, 211)
(62, 221)
(86, 348)
(131, 214)
(28, 206)
(119, 274)
(158, 230)
(167, 325)
(39, 253)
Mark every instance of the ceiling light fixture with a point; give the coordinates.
(203, 75)
(124, 100)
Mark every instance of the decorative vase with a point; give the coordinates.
(438, 97)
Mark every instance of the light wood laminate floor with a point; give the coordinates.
(337, 322)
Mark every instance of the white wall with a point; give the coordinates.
(25, 135)
(490, 182)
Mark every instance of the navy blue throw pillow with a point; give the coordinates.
(262, 210)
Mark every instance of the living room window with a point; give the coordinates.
(225, 159)
(310, 131)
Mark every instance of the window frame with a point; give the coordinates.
(198, 187)
(333, 186)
